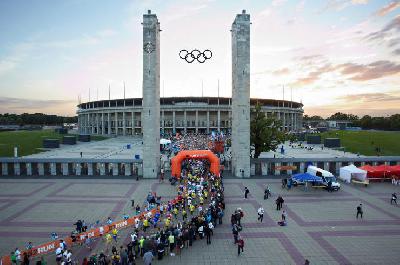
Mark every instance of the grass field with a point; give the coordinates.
(366, 142)
(28, 142)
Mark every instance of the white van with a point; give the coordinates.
(325, 175)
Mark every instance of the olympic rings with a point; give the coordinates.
(195, 54)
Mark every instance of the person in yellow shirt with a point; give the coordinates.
(108, 238)
(201, 200)
(184, 214)
(114, 234)
(145, 224)
(205, 194)
(167, 222)
(191, 209)
(175, 212)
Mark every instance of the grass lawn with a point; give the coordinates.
(366, 142)
(28, 142)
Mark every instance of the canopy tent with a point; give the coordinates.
(306, 177)
(371, 171)
(165, 141)
(389, 171)
(381, 171)
(351, 171)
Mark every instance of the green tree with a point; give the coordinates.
(264, 132)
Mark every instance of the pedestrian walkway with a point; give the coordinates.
(322, 227)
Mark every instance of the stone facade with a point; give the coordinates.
(107, 117)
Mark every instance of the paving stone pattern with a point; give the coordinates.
(322, 226)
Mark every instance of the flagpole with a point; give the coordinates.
(218, 92)
(124, 93)
(109, 96)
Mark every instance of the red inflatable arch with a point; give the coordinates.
(176, 161)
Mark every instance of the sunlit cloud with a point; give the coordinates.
(390, 7)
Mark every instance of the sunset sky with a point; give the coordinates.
(333, 55)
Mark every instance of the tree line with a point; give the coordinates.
(35, 119)
(390, 123)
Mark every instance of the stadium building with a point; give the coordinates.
(178, 114)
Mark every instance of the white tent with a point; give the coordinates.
(165, 141)
(351, 171)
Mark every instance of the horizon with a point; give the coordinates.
(344, 53)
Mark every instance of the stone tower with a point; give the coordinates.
(151, 96)
(241, 95)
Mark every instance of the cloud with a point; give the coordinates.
(392, 26)
(374, 70)
(17, 57)
(84, 40)
(387, 8)
(278, 2)
(282, 71)
(338, 5)
(396, 52)
(370, 97)
(21, 105)
(313, 76)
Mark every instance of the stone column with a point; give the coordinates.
(116, 123)
(115, 169)
(197, 121)
(64, 169)
(97, 123)
(108, 123)
(133, 122)
(102, 124)
(53, 170)
(219, 120)
(302, 167)
(241, 95)
(185, 121)
(289, 171)
(326, 166)
(123, 124)
(208, 121)
(4, 169)
(40, 169)
(163, 121)
(92, 122)
(173, 122)
(277, 172)
(128, 171)
(28, 169)
(90, 169)
(17, 169)
(102, 169)
(78, 169)
(151, 96)
(338, 165)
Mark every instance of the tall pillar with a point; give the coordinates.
(241, 95)
(97, 123)
(102, 123)
(92, 122)
(151, 95)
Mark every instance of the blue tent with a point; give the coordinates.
(305, 177)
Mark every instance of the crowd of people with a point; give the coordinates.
(176, 225)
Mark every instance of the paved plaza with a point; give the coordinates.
(113, 148)
(321, 226)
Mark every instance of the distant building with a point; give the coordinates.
(178, 114)
(339, 124)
